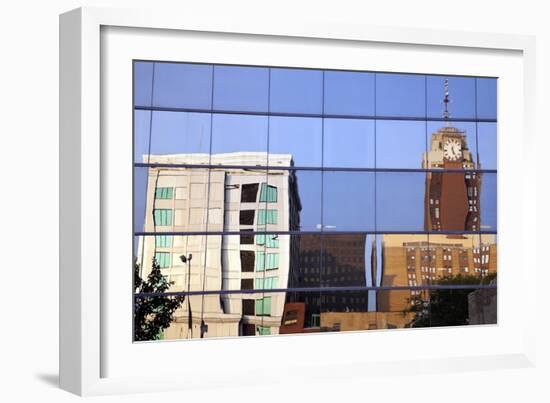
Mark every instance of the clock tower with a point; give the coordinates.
(452, 197)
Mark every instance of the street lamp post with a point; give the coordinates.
(187, 259)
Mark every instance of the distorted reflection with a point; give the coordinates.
(276, 201)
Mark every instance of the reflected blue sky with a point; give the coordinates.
(348, 198)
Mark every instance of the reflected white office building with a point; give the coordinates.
(238, 197)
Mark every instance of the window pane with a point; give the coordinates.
(246, 217)
(142, 130)
(452, 201)
(245, 136)
(452, 146)
(249, 192)
(349, 93)
(305, 261)
(163, 241)
(348, 143)
(263, 306)
(295, 141)
(400, 201)
(346, 311)
(296, 91)
(247, 260)
(141, 176)
(344, 260)
(462, 97)
(164, 193)
(487, 98)
(205, 259)
(488, 201)
(400, 144)
(299, 199)
(183, 191)
(179, 85)
(241, 88)
(269, 216)
(233, 194)
(400, 260)
(348, 201)
(268, 193)
(181, 133)
(143, 83)
(163, 259)
(400, 95)
(487, 145)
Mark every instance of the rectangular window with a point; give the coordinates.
(246, 217)
(268, 193)
(163, 217)
(269, 240)
(163, 259)
(249, 192)
(263, 306)
(267, 217)
(264, 330)
(163, 241)
(247, 284)
(247, 239)
(247, 261)
(267, 283)
(164, 193)
(271, 262)
(248, 307)
(315, 320)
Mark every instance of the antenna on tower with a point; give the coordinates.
(446, 100)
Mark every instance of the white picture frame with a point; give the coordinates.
(85, 342)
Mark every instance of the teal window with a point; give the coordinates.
(315, 320)
(163, 259)
(260, 261)
(263, 330)
(272, 241)
(267, 217)
(164, 193)
(163, 217)
(268, 193)
(163, 241)
(263, 306)
(267, 283)
(269, 240)
(269, 261)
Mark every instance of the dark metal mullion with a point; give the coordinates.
(335, 169)
(310, 115)
(188, 233)
(321, 289)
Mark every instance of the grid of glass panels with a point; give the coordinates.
(289, 200)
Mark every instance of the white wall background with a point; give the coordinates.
(29, 201)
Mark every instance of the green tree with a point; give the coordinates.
(447, 307)
(152, 314)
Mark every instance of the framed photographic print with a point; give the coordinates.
(276, 191)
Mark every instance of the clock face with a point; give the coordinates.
(452, 149)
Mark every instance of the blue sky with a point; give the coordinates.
(315, 142)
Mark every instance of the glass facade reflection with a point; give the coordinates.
(283, 200)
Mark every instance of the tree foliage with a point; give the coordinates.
(152, 314)
(447, 307)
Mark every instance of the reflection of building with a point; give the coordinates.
(482, 306)
(451, 203)
(180, 199)
(329, 261)
(452, 198)
(410, 260)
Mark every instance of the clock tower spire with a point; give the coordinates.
(446, 100)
